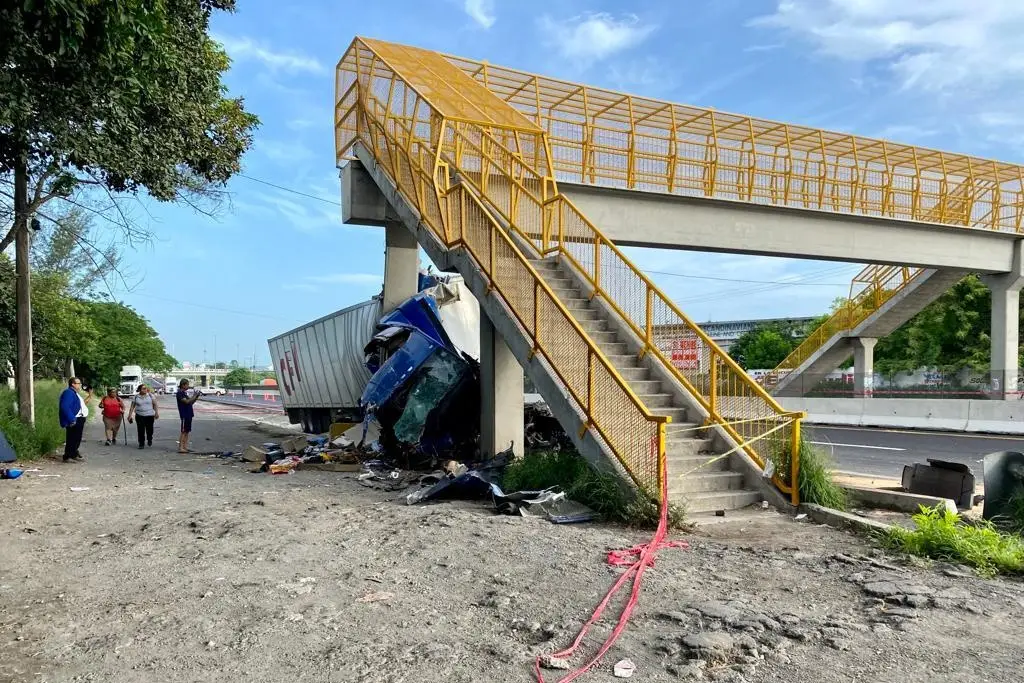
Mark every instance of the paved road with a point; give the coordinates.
(256, 400)
(884, 452)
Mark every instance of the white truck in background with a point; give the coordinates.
(131, 378)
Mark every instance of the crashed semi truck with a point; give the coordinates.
(325, 367)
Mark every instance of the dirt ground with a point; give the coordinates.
(190, 568)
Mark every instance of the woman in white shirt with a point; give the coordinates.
(145, 412)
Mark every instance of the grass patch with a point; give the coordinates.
(600, 491)
(942, 535)
(28, 442)
(815, 479)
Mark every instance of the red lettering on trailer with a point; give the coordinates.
(284, 379)
(295, 357)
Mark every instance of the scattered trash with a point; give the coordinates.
(624, 669)
(376, 597)
(47, 475)
(30, 530)
(76, 489)
(719, 513)
(764, 504)
(10, 473)
(167, 487)
(552, 662)
(801, 516)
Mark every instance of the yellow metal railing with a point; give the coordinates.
(869, 289)
(388, 97)
(601, 137)
(397, 131)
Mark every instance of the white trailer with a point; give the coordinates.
(320, 369)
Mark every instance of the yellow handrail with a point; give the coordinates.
(881, 283)
(504, 182)
(459, 220)
(420, 122)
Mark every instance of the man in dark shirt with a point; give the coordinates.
(185, 412)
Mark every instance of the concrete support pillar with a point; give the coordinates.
(501, 394)
(1005, 289)
(863, 366)
(1005, 336)
(401, 265)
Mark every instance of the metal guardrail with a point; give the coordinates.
(462, 128)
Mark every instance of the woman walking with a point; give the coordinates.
(113, 416)
(145, 412)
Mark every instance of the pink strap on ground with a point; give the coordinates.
(638, 558)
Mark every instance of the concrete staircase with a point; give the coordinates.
(924, 289)
(710, 488)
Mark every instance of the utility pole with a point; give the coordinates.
(214, 351)
(23, 295)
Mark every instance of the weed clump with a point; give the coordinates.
(943, 535)
(600, 491)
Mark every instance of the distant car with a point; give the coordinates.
(211, 391)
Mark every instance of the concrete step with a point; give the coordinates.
(636, 373)
(677, 414)
(582, 314)
(644, 386)
(558, 281)
(614, 348)
(626, 361)
(688, 446)
(596, 326)
(709, 502)
(604, 336)
(679, 465)
(657, 400)
(683, 430)
(576, 304)
(721, 481)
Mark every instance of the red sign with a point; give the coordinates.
(684, 353)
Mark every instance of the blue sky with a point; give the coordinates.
(940, 73)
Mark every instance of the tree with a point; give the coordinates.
(123, 337)
(951, 333)
(70, 244)
(764, 347)
(122, 96)
(238, 377)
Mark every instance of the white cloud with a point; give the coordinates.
(246, 49)
(481, 11)
(589, 38)
(763, 48)
(928, 45)
(347, 278)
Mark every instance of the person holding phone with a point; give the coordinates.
(186, 413)
(146, 412)
(74, 409)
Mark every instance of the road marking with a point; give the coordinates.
(856, 445)
(921, 432)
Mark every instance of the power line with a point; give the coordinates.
(788, 283)
(288, 189)
(214, 308)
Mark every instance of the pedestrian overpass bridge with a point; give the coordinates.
(527, 185)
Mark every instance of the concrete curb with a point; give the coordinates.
(844, 520)
(896, 500)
